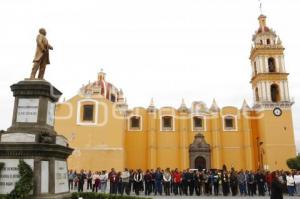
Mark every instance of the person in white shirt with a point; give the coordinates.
(103, 181)
(96, 181)
(125, 182)
(290, 183)
(167, 180)
(138, 181)
(297, 182)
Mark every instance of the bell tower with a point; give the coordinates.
(272, 103)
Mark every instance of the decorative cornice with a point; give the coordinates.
(35, 88)
(273, 76)
(34, 150)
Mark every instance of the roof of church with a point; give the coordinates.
(102, 88)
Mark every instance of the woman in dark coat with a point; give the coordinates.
(276, 187)
(225, 183)
(233, 183)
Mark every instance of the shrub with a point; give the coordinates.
(25, 183)
(294, 163)
(91, 195)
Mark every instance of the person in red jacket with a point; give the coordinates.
(177, 180)
(269, 181)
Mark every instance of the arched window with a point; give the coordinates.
(261, 42)
(275, 95)
(167, 123)
(268, 41)
(256, 94)
(271, 65)
(135, 123)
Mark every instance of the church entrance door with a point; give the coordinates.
(199, 153)
(200, 163)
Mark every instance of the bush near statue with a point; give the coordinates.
(25, 184)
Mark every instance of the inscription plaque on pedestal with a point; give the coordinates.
(50, 113)
(18, 137)
(61, 178)
(45, 176)
(27, 110)
(10, 174)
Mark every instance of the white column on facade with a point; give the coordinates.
(262, 84)
(266, 67)
(257, 64)
(268, 91)
(260, 64)
(282, 63)
(286, 87)
(282, 90)
(277, 63)
(260, 91)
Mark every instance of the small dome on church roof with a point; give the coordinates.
(103, 88)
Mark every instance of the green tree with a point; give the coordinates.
(25, 184)
(294, 163)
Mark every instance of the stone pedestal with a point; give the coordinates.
(32, 138)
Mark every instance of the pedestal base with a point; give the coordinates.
(49, 164)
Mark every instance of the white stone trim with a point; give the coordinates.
(287, 90)
(78, 119)
(268, 91)
(18, 137)
(277, 64)
(235, 122)
(129, 128)
(283, 63)
(260, 92)
(161, 123)
(266, 65)
(192, 122)
(264, 90)
(281, 91)
(261, 64)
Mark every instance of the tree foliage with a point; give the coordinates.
(25, 184)
(294, 163)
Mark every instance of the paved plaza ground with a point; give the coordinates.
(194, 197)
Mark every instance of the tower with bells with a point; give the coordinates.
(272, 116)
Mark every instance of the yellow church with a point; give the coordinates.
(105, 133)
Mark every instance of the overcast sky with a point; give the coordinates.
(166, 49)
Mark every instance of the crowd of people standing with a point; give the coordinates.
(188, 182)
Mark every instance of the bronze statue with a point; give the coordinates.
(41, 58)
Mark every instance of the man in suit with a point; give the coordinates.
(41, 58)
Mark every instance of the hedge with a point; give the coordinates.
(93, 195)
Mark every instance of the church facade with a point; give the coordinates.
(105, 133)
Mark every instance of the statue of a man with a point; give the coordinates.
(41, 58)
